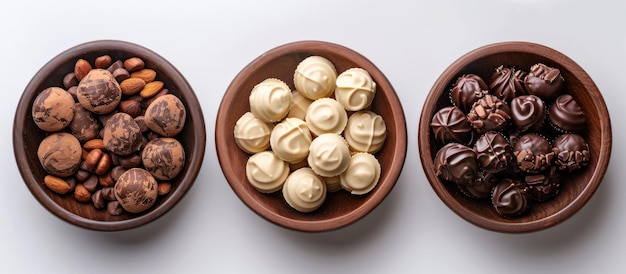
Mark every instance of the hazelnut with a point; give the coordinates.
(136, 190)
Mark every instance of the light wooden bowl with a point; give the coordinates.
(576, 190)
(340, 208)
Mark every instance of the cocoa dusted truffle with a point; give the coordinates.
(490, 114)
(544, 81)
(99, 92)
(467, 90)
(543, 187)
(528, 113)
(533, 153)
(481, 187)
(507, 83)
(136, 190)
(85, 125)
(53, 109)
(456, 163)
(166, 115)
(60, 154)
(164, 158)
(122, 135)
(509, 198)
(450, 125)
(573, 152)
(566, 115)
(493, 152)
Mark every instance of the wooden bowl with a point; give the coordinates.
(27, 136)
(576, 190)
(340, 208)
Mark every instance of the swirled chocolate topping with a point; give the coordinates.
(509, 198)
(456, 163)
(450, 124)
(528, 112)
(567, 115)
(467, 90)
(493, 151)
(507, 83)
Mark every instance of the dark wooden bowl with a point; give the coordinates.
(577, 189)
(340, 208)
(27, 136)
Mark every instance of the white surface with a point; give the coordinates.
(412, 231)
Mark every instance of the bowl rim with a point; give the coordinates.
(23, 109)
(424, 136)
(318, 225)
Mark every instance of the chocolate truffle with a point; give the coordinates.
(509, 198)
(450, 125)
(543, 187)
(53, 109)
(315, 77)
(166, 115)
(326, 115)
(533, 153)
(251, 134)
(456, 163)
(266, 172)
(481, 187)
(99, 92)
(493, 152)
(355, 89)
(164, 158)
(528, 113)
(366, 131)
(136, 190)
(304, 190)
(362, 174)
(572, 152)
(84, 125)
(122, 135)
(543, 81)
(466, 90)
(490, 114)
(270, 100)
(290, 140)
(507, 83)
(60, 154)
(566, 115)
(329, 155)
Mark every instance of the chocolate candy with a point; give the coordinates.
(481, 187)
(60, 154)
(53, 109)
(456, 163)
(543, 81)
(543, 187)
(573, 152)
(164, 158)
(122, 135)
(136, 190)
(507, 83)
(166, 115)
(99, 92)
(490, 114)
(533, 153)
(493, 152)
(84, 125)
(467, 90)
(509, 198)
(528, 112)
(566, 115)
(450, 125)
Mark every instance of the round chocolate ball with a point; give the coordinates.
(566, 115)
(60, 154)
(136, 190)
(99, 92)
(456, 163)
(493, 151)
(166, 115)
(164, 158)
(572, 152)
(85, 125)
(122, 135)
(490, 113)
(450, 125)
(53, 109)
(528, 112)
(481, 187)
(466, 90)
(507, 83)
(544, 81)
(509, 198)
(533, 153)
(543, 187)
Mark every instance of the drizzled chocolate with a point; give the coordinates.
(449, 124)
(566, 115)
(456, 163)
(507, 83)
(509, 198)
(467, 90)
(493, 152)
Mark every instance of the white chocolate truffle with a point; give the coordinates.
(290, 140)
(270, 100)
(362, 174)
(326, 115)
(251, 134)
(333, 184)
(365, 132)
(266, 172)
(329, 155)
(53, 109)
(299, 105)
(315, 77)
(355, 89)
(304, 190)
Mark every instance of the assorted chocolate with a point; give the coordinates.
(511, 140)
(111, 135)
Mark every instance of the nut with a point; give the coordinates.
(92, 159)
(103, 164)
(163, 188)
(150, 89)
(130, 107)
(132, 85)
(147, 75)
(81, 68)
(103, 62)
(134, 64)
(81, 193)
(94, 144)
(56, 184)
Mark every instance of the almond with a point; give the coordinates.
(56, 184)
(147, 75)
(81, 68)
(81, 193)
(93, 144)
(132, 85)
(150, 89)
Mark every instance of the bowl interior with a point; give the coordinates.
(577, 188)
(27, 136)
(340, 208)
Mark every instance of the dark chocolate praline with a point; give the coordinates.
(490, 113)
(456, 163)
(507, 83)
(509, 198)
(543, 187)
(450, 125)
(528, 113)
(493, 151)
(572, 152)
(544, 81)
(566, 115)
(533, 153)
(466, 90)
(481, 187)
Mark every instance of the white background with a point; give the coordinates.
(412, 231)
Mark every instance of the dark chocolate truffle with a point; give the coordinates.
(122, 135)
(450, 125)
(53, 109)
(566, 115)
(85, 125)
(467, 90)
(543, 81)
(60, 154)
(481, 187)
(136, 190)
(456, 163)
(509, 198)
(533, 153)
(493, 151)
(528, 113)
(166, 115)
(543, 187)
(507, 83)
(99, 92)
(573, 152)
(490, 114)
(164, 158)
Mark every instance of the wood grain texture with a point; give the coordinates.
(26, 136)
(340, 208)
(577, 188)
